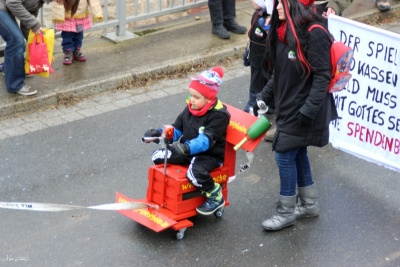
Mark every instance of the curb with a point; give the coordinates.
(113, 82)
(86, 88)
(375, 13)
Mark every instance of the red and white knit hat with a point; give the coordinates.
(207, 83)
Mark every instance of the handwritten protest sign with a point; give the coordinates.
(369, 111)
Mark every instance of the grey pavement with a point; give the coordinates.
(106, 101)
(180, 46)
(85, 161)
(87, 158)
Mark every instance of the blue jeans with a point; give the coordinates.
(71, 40)
(294, 170)
(14, 59)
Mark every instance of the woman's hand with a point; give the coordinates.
(39, 31)
(328, 12)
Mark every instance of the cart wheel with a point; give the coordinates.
(219, 212)
(180, 234)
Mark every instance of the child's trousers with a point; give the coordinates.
(71, 40)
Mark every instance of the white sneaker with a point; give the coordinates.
(26, 90)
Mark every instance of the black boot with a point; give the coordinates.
(233, 26)
(220, 31)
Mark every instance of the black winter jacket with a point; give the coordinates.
(257, 37)
(215, 123)
(294, 93)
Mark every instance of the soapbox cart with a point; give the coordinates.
(172, 199)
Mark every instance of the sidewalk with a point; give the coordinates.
(182, 46)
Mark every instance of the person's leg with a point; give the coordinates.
(67, 42)
(229, 15)
(308, 205)
(13, 68)
(199, 172)
(257, 83)
(158, 157)
(284, 213)
(304, 175)
(217, 19)
(251, 102)
(216, 11)
(199, 175)
(78, 39)
(286, 162)
(68, 46)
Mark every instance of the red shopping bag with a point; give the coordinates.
(39, 59)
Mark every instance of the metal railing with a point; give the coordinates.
(119, 13)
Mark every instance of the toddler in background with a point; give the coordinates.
(72, 18)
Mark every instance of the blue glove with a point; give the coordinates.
(261, 22)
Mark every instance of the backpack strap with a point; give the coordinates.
(316, 26)
(321, 27)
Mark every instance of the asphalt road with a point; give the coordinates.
(84, 162)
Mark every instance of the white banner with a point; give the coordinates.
(369, 112)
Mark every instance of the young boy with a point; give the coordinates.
(200, 135)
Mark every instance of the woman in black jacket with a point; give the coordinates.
(304, 108)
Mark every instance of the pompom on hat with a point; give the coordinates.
(208, 82)
(307, 2)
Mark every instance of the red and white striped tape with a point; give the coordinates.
(59, 207)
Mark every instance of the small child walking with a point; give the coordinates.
(257, 43)
(72, 18)
(200, 137)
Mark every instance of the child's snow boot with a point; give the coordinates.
(215, 200)
(67, 57)
(78, 55)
